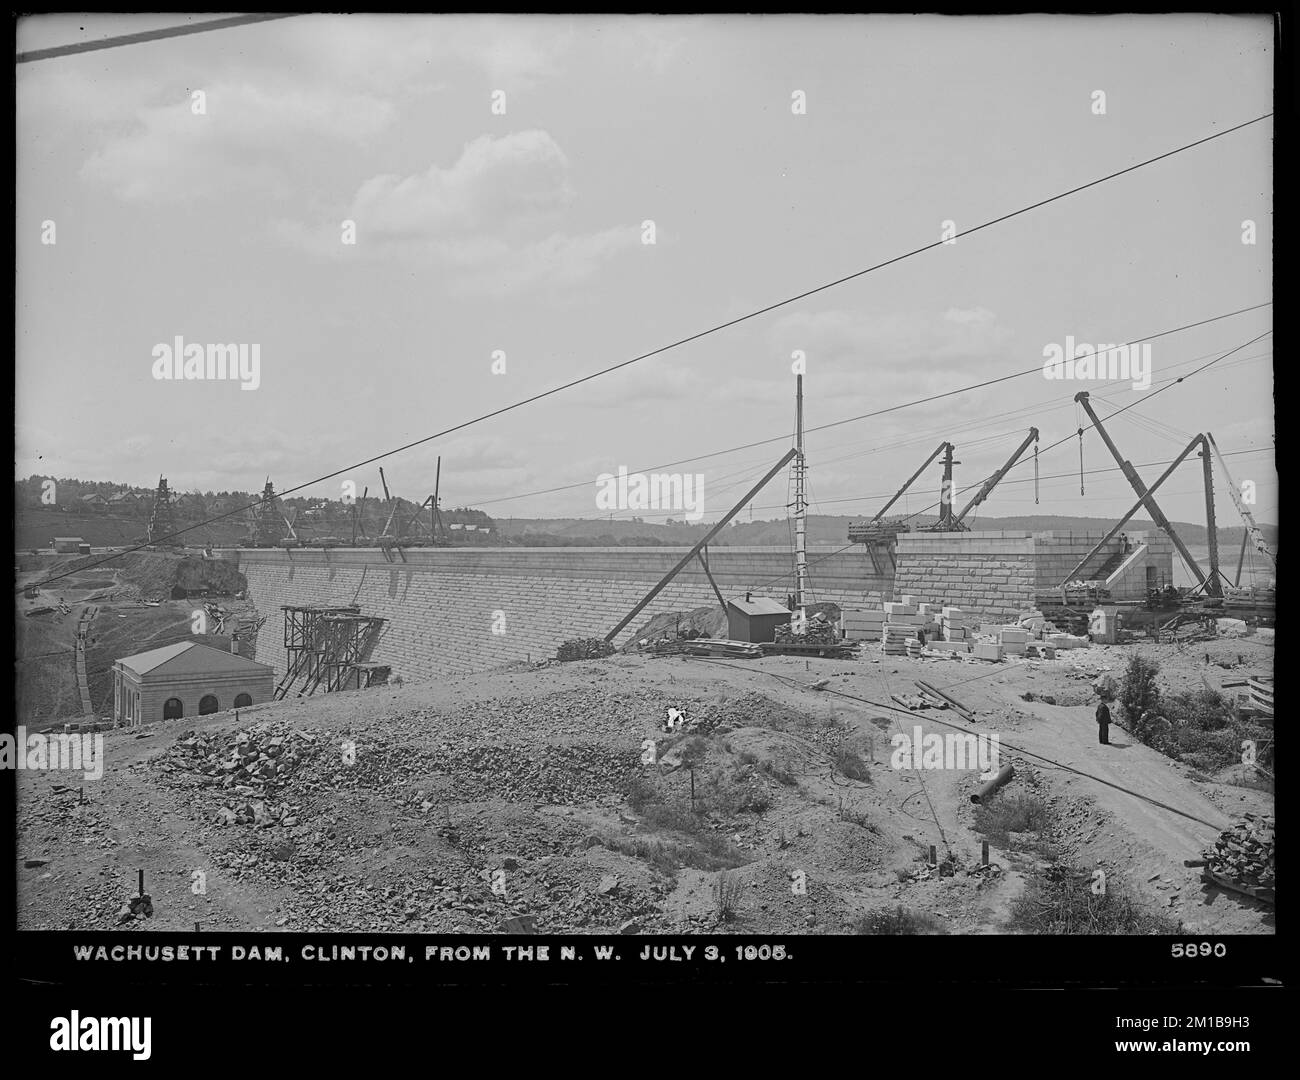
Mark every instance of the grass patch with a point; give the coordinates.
(1005, 814)
(727, 893)
(849, 763)
(898, 921)
(1061, 900)
(707, 851)
(854, 816)
(781, 773)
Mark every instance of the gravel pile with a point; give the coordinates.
(252, 769)
(257, 761)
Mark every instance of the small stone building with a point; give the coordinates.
(184, 680)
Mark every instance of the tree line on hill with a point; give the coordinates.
(72, 495)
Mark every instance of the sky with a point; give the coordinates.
(500, 176)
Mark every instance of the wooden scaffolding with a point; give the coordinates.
(330, 647)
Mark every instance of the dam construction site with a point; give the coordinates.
(924, 728)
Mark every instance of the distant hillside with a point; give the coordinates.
(35, 525)
(823, 529)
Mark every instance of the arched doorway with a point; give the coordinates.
(174, 709)
(242, 701)
(208, 704)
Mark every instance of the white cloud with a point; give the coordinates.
(514, 177)
(490, 216)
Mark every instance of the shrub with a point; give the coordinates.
(1004, 814)
(727, 892)
(1204, 709)
(1062, 901)
(694, 752)
(1138, 694)
(854, 816)
(640, 792)
(850, 764)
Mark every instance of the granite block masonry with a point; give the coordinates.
(454, 611)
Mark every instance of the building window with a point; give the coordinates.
(208, 704)
(174, 709)
(243, 700)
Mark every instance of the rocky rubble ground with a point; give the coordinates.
(560, 774)
(249, 769)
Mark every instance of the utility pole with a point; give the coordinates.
(800, 508)
(1211, 524)
(435, 517)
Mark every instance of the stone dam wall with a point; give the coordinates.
(444, 604)
(458, 610)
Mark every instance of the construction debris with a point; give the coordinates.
(742, 650)
(1260, 693)
(1244, 859)
(584, 649)
(819, 631)
(944, 696)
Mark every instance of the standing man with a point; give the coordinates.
(1103, 724)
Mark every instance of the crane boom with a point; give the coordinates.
(1252, 529)
(987, 487)
(1144, 496)
(912, 479)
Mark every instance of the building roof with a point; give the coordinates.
(68, 540)
(190, 658)
(762, 605)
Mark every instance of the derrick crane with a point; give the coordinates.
(1253, 532)
(876, 530)
(1212, 585)
(987, 487)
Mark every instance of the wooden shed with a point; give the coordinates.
(755, 619)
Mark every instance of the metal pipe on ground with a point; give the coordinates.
(960, 709)
(1004, 775)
